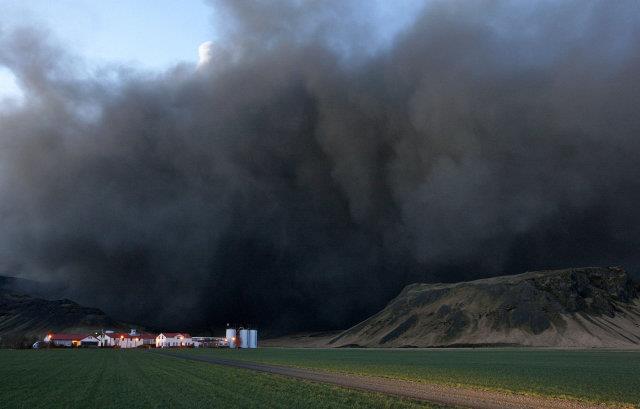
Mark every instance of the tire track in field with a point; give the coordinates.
(434, 393)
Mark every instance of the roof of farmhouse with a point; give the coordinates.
(175, 334)
(117, 335)
(133, 336)
(68, 337)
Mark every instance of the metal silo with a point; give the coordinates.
(231, 337)
(244, 338)
(253, 338)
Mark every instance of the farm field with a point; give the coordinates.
(143, 379)
(595, 375)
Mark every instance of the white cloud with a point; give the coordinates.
(205, 53)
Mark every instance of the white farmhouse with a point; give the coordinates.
(118, 338)
(173, 339)
(108, 339)
(129, 341)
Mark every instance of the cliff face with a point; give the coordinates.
(582, 307)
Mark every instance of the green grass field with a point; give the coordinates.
(142, 379)
(595, 375)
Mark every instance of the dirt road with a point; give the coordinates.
(440, 394)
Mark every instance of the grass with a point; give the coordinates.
(594, 375)
(142, 379)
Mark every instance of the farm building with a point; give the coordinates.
(109, 339)
(173, 339)
(209, 342)
(89, 340)
(136, 340)
(242, 338)
(129, 341)
(123, 340)
(148, 339)
(72, 340)
(118, 338)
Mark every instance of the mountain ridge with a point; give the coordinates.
(25, 318)
(577, 307)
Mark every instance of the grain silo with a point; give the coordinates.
(253, 338)
(244, 338)
(231, 337)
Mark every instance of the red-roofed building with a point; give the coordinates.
(111, 339)
(130, 341)
(148, 339)
(173, 339)
(71, 340)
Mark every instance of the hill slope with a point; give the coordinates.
(46, 290)
(24, 318)
(582, 307)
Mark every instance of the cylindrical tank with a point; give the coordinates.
(244, 338)
(231, 337)
(253, 338)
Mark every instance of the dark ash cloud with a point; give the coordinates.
(301, 179)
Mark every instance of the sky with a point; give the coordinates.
(142, 34)
(146, 34)
(326, 155)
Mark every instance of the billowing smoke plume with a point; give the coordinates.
(300, 177)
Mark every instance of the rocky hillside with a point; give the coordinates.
(582, 307)
(24, 319)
